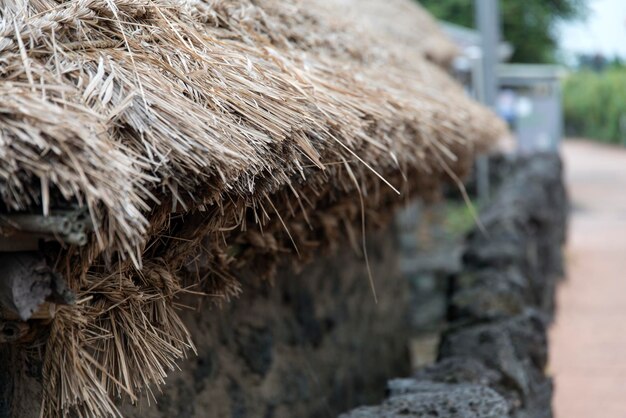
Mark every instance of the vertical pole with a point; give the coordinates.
(559, 120)
(488, 24)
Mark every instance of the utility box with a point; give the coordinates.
(529, 99)
(529, 95)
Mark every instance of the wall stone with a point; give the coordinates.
(312, 344)
(6, 384)
(315, 344)
(494, 353)
(414, 399)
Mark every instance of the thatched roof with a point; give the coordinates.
(401, 25)
(200, 134)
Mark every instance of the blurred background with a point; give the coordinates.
(555, 70)
(580, 42)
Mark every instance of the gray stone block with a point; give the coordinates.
(428, 399)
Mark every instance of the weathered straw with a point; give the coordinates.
(402, 26)
(203, 135)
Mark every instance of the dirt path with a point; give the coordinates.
(588, 341)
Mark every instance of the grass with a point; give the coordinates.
(458, 218)
(595, 106)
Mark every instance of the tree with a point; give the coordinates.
(529, 25)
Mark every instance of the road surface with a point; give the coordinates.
(588, 340)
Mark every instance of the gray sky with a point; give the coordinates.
(604, 31)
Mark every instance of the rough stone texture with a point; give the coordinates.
(490, 293)
(526, 228)
(26, 282)
(502, 302)
(426, 399)
(18, 370)
(514, 349)
(494, 353)
(313, 344)
(6, 386)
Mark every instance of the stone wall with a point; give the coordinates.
(494, 354)
(312, 344)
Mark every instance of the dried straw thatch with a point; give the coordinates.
(201, 135)
(400, 24)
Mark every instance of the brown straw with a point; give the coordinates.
(206, 135)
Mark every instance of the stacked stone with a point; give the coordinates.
(493, 358)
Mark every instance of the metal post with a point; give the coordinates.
(488, 23)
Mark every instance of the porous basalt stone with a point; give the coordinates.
(427, 399)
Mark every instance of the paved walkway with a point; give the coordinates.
(588, 341)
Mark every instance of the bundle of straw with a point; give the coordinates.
(401, 25)
(202, 135)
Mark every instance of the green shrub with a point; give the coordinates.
(594, 105)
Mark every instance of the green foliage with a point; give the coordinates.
(527, 24)
(458, 218)
(594, 105)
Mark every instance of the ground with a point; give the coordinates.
(588, 340)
